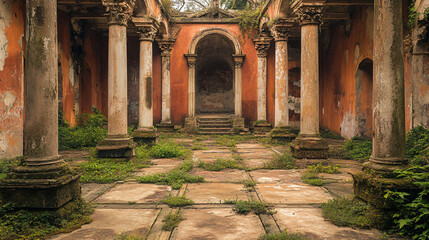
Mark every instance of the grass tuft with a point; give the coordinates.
(284, 161)
(319, 168)
(176, 201)
(218, 165)
(245, 207)
(313, 179)
(162, 150)
(282, 236)
(358, 148)
(172, 220)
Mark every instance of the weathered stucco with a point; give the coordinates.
(11, 77)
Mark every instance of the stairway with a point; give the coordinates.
(215, 124)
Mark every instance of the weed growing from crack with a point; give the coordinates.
(226, 141)
(249, 183)
(124, 236)
(313, 179)
(319, 168)
(172, 220)
(284, 161)
(245, 207)
(176, 201)
(219, 164)
(175, 178)
(282, 236)
(162, 150)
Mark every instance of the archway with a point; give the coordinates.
(364, 81)
(214, 87)
(214, 73)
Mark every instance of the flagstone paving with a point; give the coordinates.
(132, 208)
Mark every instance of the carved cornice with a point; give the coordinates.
(238, 60)
(146, 33)
(262, 44)
(280, 33)
(118, 12)
(192, 60)
(310, 15)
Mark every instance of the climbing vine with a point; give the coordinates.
(412, 15)
(249, 20)
(424, 23)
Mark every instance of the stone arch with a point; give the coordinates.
(163, 31)
(141, 8)
(220, 31)
(364, 91)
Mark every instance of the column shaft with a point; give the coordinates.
(117, 80)
(146, 83)
(309, 79)
(238, 89)
(389, 100)
(166, 101)
(191, 91)
(281, 85)
(262, 88)
(41, 80)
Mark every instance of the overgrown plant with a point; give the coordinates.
(282, 236)
(418, 146)
(284, 161)
(412, 15)
(6, 166)
(245, 207)
(358, 148)
(177, 201)
(172, 220)
(87, 133)
(218, 165)
(412, 210)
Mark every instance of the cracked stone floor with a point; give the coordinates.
(131, 208)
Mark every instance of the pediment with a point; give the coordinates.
(214, 13)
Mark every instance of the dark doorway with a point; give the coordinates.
(364, 81)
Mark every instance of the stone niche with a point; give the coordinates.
(214, 75)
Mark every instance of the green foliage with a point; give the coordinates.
(109, 170)
(6, 166)
(172, 220)
(249, 183)
(358, 148)
(175, 178)
(284, 161)
(235, 4)
(87, 133)
(226, 141)
(282, 236)
(167, 150)
(424, 23)
(331, 135)
(313, 179)
(319, 168)
(418, 145)
(249, 19)
(24, 224)
(218, 165)
(346, 212)
(245, 207)
(124, 236)
(176, 201)
(412, 15)
(412, 210)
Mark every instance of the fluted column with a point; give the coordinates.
(309, 144)
(117, 143)
(43, 180)
(389, 102)
(262, 44)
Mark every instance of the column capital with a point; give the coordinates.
(147, 33)
(280, 33)
(192, 60)
(166, 45)
(262, 44)
(118, 12)
(310, 14)
(238, 60)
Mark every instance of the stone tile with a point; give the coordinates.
(340, 189)
(292, 193)
(343, 176)
(108, 223)
(226, 175)
(256, 153)
(91, 191)
(135, 192)
(246, 146)
(215, 192)
(222, 224)
(274, 176)
(212, 154)
(255, 163)
(160, 166)
(309, 221)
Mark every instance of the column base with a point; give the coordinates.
(165, 127)
(145, 136)
(190, 125)
(116, 147)
(309, 146)
(385, 166)
(47, 185)
(282, 134)
(261, 128)
(372, 187)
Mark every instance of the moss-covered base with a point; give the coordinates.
(312, 147)
(165, 127)
(282, 134)
(190, 125)
(371, 188)
(238, 124)
(40, 193)
(116, 147)
(145, 136)
(261, 127)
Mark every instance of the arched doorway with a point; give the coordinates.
(364, 81)
(214, 82)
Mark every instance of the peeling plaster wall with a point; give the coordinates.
(12, 18)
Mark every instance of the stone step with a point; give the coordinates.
(215, 129)
(214, 133)
(215, 125)
(214, 119)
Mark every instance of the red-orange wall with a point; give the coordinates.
(12, 79)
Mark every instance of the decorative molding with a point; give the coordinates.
(262, 44)
(238, 60)
(310, 15)
(119, 12)
(280, 33)
(146, 33)
(166, 45)
(192, 60)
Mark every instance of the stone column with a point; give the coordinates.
(262, 44)
(145, 133)
(238, 90)
(309, 144)
(166, 46)
(43, 180)
(117, 144)
(389, 101)
(190, 121)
